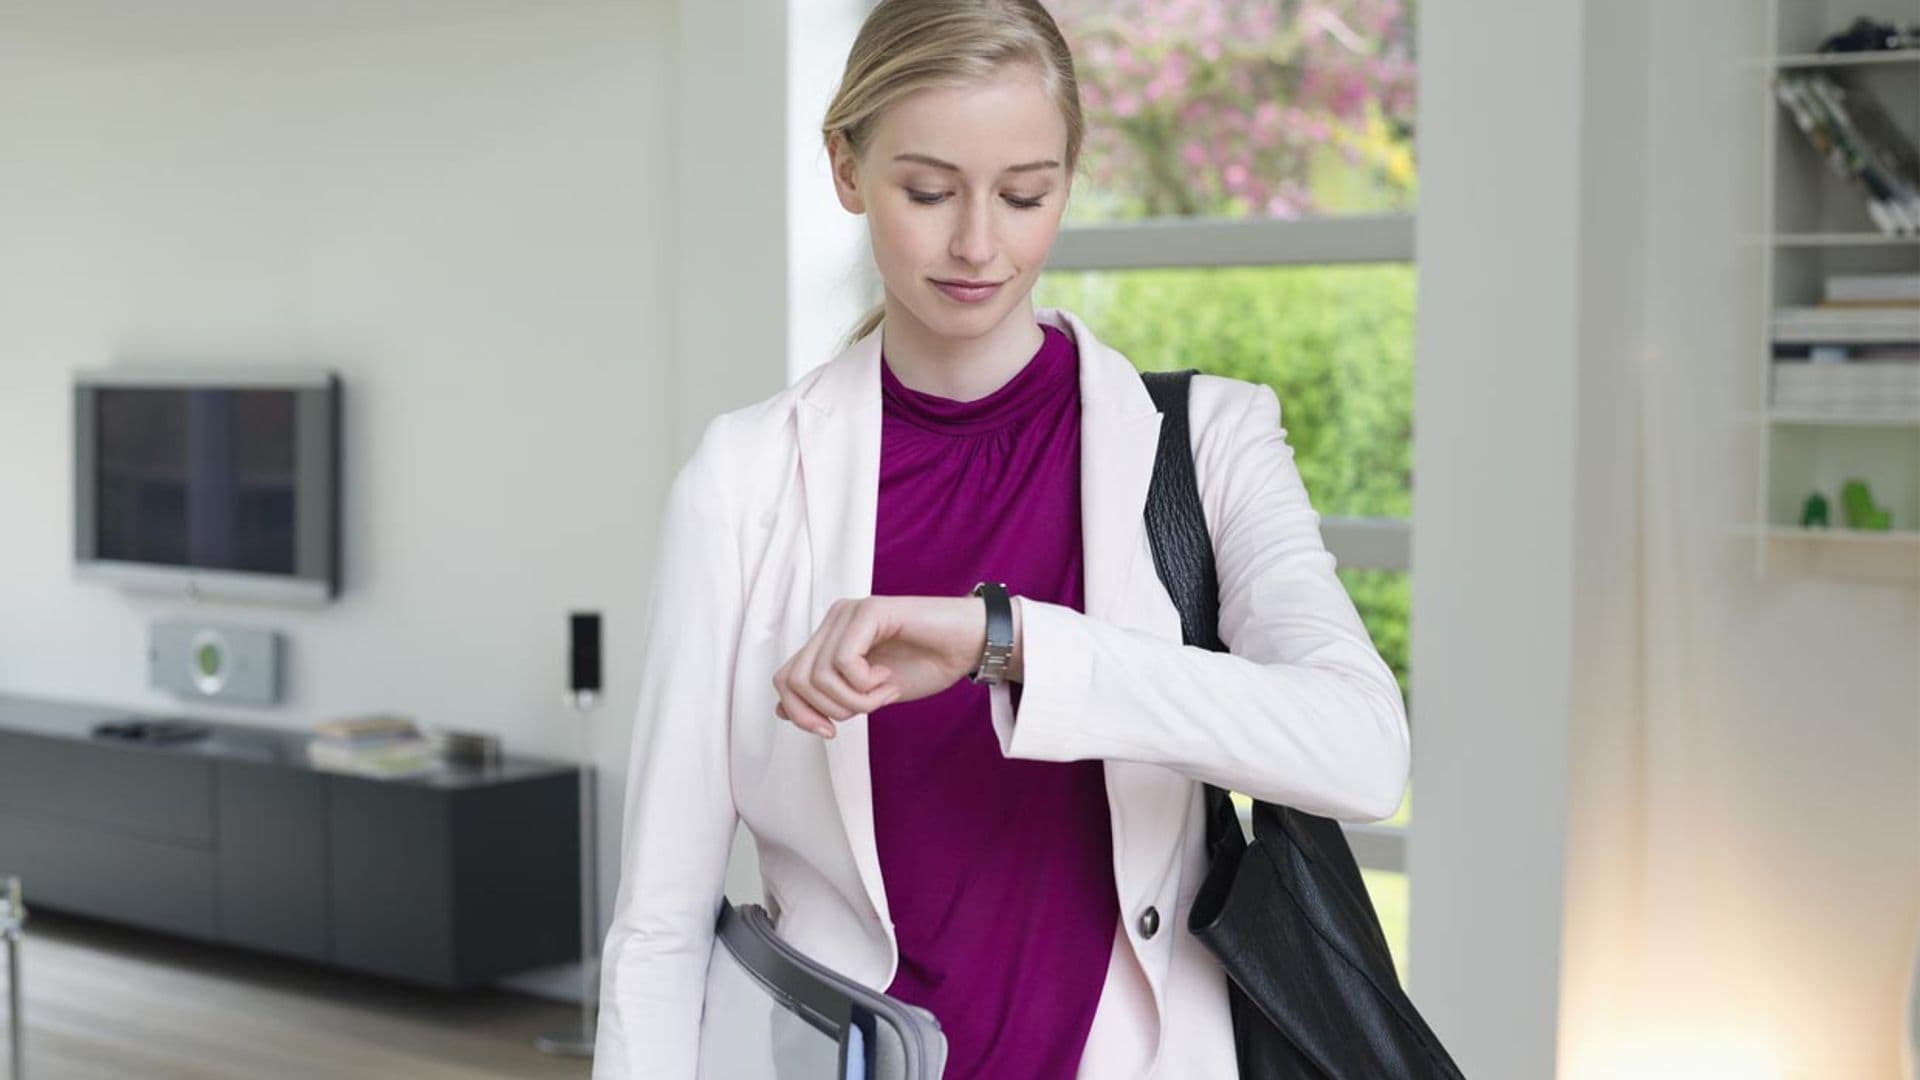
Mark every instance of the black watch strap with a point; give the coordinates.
(998, 653)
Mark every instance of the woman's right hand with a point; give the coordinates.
(877, 650)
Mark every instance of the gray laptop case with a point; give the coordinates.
(773, 1014)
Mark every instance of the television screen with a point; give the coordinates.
(209, 483)
(197, 477)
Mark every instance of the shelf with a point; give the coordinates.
(1815, 227)
(1837, 239)
(1891, 538)
(1853, 59)
(1836, 419)
(1860, 338)
(1790, 553)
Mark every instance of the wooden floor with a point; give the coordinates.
(105, 1001)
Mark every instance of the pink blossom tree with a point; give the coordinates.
(1282, 108)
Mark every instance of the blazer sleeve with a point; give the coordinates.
(1301, 710)
(679, 817)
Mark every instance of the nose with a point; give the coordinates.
(973, 235)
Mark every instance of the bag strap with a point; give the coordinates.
(1183, 555)
(1176, 520)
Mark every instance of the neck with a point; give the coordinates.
(963, 369)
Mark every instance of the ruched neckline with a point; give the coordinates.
(1053, 369)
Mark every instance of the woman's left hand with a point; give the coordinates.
(877, 650)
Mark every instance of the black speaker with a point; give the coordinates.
(584, 653)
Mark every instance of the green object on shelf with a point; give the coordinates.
(1814, 512)
(1861, 511)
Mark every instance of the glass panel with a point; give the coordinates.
(1383, 598)
(1239, 108)
(1335, 343)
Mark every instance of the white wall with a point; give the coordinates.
(469, 211)
(730, 215)
(1669, 812)
(1494, 584)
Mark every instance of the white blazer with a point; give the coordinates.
(772, 519)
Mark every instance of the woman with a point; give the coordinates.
(1016, 855)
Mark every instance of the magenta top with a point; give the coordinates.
(999, 871)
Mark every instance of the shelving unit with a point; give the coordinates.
(1817, 225)
(1829, 60)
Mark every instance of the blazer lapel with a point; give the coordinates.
(1119, 433)
(838, 428)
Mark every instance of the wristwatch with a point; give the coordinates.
(998, 652)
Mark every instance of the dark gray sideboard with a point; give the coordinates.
(451, 879)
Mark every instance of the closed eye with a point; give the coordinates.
(928, 198)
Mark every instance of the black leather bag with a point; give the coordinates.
(1311, 982)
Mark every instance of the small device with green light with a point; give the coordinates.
(197, 659)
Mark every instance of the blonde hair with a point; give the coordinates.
(909, 45)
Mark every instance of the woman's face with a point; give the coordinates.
(961, 185)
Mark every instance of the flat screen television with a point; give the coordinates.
(204, 481)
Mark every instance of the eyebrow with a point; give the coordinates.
(925, 159)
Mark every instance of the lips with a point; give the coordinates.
(967, 292)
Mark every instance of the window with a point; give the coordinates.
(1243, 206)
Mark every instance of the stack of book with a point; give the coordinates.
(1861, 325)
(1856, 354)
(1856, 309)
(375, 745)
(1867, 389)
(1852, 133)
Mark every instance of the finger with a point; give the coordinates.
(830, 680)
(780, 710)
(803, 698)
(845, 671)
(793, 709)
(863, 632)
(814, 683)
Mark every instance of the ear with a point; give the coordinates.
(846, 174)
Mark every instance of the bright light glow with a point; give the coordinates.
(1687, 1055)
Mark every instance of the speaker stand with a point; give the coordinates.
(13, 916)
(579, 1042)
